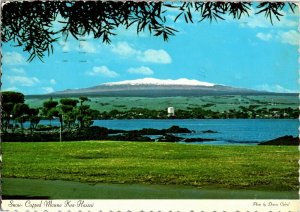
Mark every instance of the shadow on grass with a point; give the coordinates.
(15, 188)
(21, 197)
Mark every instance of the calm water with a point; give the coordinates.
(229, 131)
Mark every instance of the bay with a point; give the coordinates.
(228, 131)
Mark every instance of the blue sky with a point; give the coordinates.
(249, 53)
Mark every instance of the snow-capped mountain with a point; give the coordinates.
(158, 82)
(151, 87)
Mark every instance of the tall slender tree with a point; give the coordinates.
(8, 101)
(50, 109)
(34, 118)
(83, 115)
(68, 111)
(20, 112)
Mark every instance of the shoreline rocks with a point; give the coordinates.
(287, 140)
(144, 135)
(191, 140)
(209, 131)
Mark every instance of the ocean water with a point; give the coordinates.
(228, 131)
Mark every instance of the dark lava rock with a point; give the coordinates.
(287, 140)
(169, 138)
(177, 129)
(150, 131)
(209, 131)
(112, 131)
(37, 137)
(189, 140)
(94, 132)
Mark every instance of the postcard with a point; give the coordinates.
(149, 106)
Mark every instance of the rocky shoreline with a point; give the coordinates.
(287, 140)
(172, 134)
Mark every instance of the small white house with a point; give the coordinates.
(171, 111)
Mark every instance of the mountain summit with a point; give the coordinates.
(153, 81)
(151, 87)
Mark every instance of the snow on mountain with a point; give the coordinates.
(152, 87)
(153, 81)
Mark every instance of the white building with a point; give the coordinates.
(171, 111)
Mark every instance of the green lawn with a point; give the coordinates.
(266, 168)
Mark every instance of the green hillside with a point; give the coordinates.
(214, 103)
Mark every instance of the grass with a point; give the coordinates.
(265, 168)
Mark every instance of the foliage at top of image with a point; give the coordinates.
(30, 24)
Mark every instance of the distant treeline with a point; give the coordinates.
(76, 113)
(251, 112)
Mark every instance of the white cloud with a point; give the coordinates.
(140, 70)
(85, 46)
(123, 49)
(23, 81)
(131, 31)
(155, 56)
(48, 89)
(13, 58)
(259, 20)
(18, 70)
(254, 21)
(66, 47)
(103, 71)
(291, 37)
(172, 18)
(150, 55)
(81, 46)
(275, 88)
(264, 36)
(52, 81)
(14, 88)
